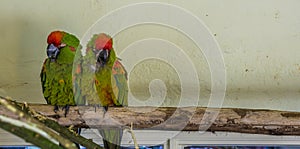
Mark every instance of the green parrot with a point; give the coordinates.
(104, 83)
(56, 73)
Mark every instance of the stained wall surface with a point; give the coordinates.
(259, 41)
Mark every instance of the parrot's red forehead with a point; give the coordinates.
(55, 38)
(103, 41)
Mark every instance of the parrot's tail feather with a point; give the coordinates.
(112, 137)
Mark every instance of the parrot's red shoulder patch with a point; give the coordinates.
(78, 69)
(72, 49)
(103, 41)
(55, 38)
(118, 68)
(96, 82)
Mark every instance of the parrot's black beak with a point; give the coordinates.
(52, 52)
(102, 57)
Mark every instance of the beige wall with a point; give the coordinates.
(260, 41)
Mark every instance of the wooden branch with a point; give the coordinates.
(18, 111)
(170, 118)
(29, 136)
(88, 143)
(52, 124)
(13, 115)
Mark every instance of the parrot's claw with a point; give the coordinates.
(56, 108)
(79, 131)
(66, 108)
(105, 108)
(96, 106)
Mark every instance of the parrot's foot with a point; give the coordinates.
(97, 106)
(66, 108)
(105, 108)
(56, 108)
(79, 131)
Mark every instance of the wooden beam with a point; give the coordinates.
(170, 118)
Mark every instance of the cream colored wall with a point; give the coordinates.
(260, 41)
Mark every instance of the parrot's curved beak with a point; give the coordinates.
(52, 52)
(102, 57)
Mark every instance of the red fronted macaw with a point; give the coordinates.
(103, 82)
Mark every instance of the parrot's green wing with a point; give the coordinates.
(88, 87)
(111, 83)
(86, 75)
(119, 83)
(46, 85)
(77, 72)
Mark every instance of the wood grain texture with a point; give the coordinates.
(171, 118)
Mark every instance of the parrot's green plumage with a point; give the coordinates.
(85, 80)
(104, 82)
(56, 74)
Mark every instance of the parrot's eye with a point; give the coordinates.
(102, 57)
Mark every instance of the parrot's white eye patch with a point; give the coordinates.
(97, 52)
(62, 45)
